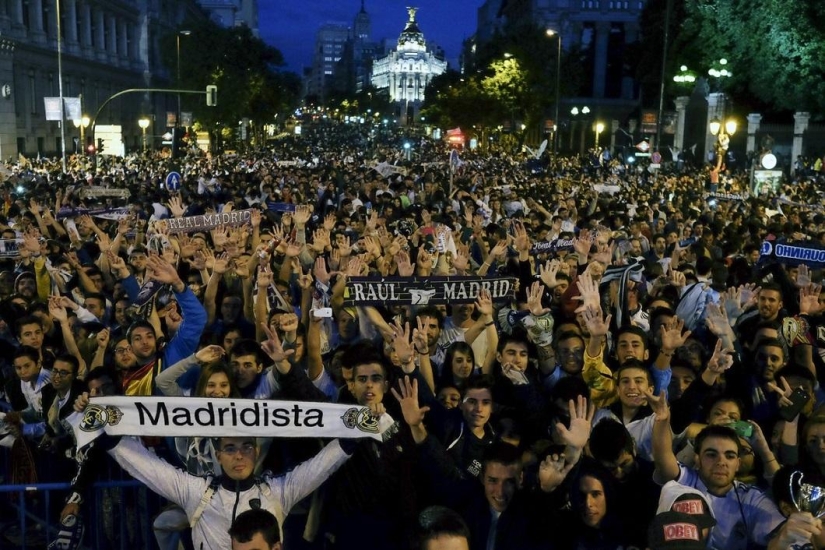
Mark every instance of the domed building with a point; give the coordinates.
(407, 70)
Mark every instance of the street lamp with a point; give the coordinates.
(723, 133)
(144, 123)
(551, 32)
(177, 80)
(599, 130)
(82, 124)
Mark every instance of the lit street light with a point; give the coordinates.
(82, 124)
(144, 123)
(599, 130)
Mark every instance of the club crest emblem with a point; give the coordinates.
(360, 418)
(96, 417)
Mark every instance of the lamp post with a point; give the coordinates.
(144, 123)
(82, 124)
(599, 130)
(723, 133)
(177, 80)
(551, 32)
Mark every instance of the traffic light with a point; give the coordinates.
(211, 95)
(99, 145)
(177, 142)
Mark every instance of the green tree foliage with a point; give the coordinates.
(775, 48)
(242, 66)
(512, 78)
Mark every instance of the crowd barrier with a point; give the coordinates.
(117, 512)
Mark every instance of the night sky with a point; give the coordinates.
(290, 26)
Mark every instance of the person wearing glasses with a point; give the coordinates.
(213, 503)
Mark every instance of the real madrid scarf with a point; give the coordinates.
(793, 253)
(622, 274)
(196, 416)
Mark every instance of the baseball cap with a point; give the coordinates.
(676, 497)
(695, 505)
(675, 531)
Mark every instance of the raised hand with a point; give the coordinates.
(420, 337)
(221, 264)
(581, 417)
(659, 404)
(534, 295)
(809, 299)
(588, 292)
(671, 333)
(582, 244)
(424, 260)
(102, 338)
(784, 392)
(176, 207)
(461, 261)
(803, 276)
(721, 360)
(484, 303)
(162, 271)
(401, 342)
(329, 222)
(265, 277)
(522, 240)
(320, 271)
(407, 397)
(405, 267)
(255, 218)
(273, 348)
(210, 354)
(596, 326)
(56, 310)
(548, 273)
(717, 320)
(302, 214)
(552, 472)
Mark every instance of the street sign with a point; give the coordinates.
(173, 181)
(643, 146)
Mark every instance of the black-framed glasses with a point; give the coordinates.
(58, 373)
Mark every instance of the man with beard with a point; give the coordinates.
(26, 286)
(769, 307)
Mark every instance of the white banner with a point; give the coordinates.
(205, 417)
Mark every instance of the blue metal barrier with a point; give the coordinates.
(118, 512)
(124, 523)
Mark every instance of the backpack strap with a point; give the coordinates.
(207, 496)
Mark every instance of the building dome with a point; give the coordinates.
(411, 37)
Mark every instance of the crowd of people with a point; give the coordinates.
(652, 382)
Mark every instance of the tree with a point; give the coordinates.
(242, 66)
(774, 48)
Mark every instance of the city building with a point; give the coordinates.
(600, 31)
(106, 46)
(233, 13)
(330, 44)
(407, 69)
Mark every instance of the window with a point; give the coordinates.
(32, 93)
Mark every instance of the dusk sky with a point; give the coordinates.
(290, 26)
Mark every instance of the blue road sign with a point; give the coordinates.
(173, 181)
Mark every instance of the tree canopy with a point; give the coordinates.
(242, 66)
